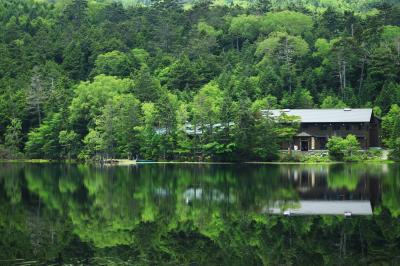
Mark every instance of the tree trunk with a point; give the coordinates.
(352, 30)
(340, 78)
(38, 114)
(288, 65)
(361, 75)
(344, 77)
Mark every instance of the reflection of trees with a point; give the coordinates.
(345, 176)
(348, 176)
(24, 235)
(11, 177)
(120, 198)
(391, 190)
(144, 216)
(338, 176)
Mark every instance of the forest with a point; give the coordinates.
(171, 80)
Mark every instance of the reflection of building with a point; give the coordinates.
(318, 125)
(321, 207)
(192, 194)
(332, 183)
(328, 190)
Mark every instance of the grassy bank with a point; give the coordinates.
(326, 163)
(46, 161)
(25, 161)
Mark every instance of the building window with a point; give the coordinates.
(348, 127)
(322, 143)
(336, 126)
(304, 126)
(361, 140)
(323, 126)
(360, 126)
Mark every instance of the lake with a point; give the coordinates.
(205, 214)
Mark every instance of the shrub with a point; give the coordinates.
(9, 153)
(344, 149)
(317, 157)
(290, 157)
(374, 153)
(395, 153)
(336, 147)
(351, 149)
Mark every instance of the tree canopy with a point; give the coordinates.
(145, 77)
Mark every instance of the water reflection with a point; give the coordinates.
(338, 189)
(201, 214)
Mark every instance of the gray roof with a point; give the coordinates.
(325, 207)
(303, 134)
(325, 115)
(190, 130)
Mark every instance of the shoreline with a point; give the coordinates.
(47, 161)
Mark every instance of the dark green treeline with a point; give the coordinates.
(83, 79)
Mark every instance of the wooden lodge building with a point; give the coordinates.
(318, 125)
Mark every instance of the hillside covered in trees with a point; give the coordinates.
(80, 79)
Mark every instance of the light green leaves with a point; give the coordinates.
(289, 21)
(279, 44)
(91, 96)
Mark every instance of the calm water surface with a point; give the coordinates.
(151, 214)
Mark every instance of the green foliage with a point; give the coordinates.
(391, 127)
(287, 127)
(372, 154)
(113, 63)
(209, 30)
(197, 64)
(377, 111)
(336, 146)
(344, 149)
(145, 87)
(317, 157)
(301, 98)
(267, 103)
(43, 142)
(309, 157)
(70, 142)
(391, 36)
(282, 45)
(180, 75)
(294, 23)
(115, 129)
(245, 26)
(12, 141)
(207, 106)
(74, 61)
(390, 94)
(395, 152)
(13, 135)
(90, 97)
(94, 147)
(244, 128)
(391, 131)
(332, 102)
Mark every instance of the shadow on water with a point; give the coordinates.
(199, 214)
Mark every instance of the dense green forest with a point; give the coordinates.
(83, 79)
